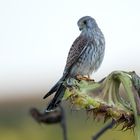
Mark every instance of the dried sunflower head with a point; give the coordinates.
(104, 101)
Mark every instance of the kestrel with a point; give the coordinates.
(85, 56)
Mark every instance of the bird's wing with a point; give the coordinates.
(75, 52)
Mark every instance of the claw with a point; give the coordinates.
(80, 77)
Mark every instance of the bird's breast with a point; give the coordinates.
(90, 60)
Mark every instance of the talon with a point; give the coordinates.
(80, 77)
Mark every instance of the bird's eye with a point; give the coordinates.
(85, 22)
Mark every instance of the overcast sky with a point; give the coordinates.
(35, 36)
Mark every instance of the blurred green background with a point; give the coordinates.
(17, 124)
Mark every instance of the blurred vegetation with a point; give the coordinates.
(17, 124)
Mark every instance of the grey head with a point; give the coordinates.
(86, 23)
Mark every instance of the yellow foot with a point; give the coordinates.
(80, 77)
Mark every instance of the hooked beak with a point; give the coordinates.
(80, 28)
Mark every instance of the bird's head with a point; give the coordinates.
(86, 22)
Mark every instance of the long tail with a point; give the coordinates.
(57, 98)
(53, 89)
(59, 88)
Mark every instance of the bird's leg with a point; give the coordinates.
(81, 77)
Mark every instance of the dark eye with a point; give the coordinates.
(85, 22)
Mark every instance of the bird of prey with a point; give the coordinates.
(85, 56)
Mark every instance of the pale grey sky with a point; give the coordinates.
(35, 36)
